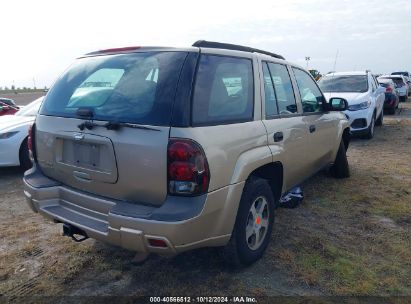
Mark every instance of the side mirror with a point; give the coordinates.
(337, 104)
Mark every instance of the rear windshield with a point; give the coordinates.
(397, 81)
(349, 83)
(136, 88)
(400, 73)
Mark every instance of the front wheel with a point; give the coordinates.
(370, 131)
(340, 168)
(25, 162)
(380, 119)
(254, 224)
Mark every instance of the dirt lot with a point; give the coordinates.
(349, 237)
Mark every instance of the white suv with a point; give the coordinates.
(364, 95)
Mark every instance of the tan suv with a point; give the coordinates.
(166, 149)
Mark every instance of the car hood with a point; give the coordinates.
(9, 122)
(352, 98)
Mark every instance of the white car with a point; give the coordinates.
(401, 85)
(13, 136)
(364, 95)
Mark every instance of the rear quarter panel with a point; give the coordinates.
(233, 151)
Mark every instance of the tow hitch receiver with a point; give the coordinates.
(75, 233)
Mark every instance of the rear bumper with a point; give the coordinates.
(183, 223)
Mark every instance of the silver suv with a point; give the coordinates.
(165, 150)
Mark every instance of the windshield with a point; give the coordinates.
(134, 88)
(31, 109)
(346, 83)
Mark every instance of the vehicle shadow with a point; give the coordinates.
(186, 273)
(10, 172)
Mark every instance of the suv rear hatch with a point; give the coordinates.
(104, 125)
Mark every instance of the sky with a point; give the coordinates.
(40, 39)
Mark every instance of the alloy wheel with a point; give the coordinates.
(257, 223)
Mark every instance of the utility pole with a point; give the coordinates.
(308, 58)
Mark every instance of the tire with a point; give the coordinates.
(25, 162)
(370, 131)
(380, 119)
(241, 250)
(340, 168)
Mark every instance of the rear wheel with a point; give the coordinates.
(254, 224)
(25, 162)
(340, 168)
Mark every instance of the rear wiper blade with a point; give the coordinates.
(112, 125)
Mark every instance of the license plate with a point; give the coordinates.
(81, 154)
(87, 154)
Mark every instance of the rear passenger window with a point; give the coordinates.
(270, 98)
(283, 89)
(311, 97)
(223, 91)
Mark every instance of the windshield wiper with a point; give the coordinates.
(112, 125)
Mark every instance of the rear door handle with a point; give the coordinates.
(278, 136)
(312, 129)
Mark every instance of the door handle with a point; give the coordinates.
(312, 129)
(82, 176)
(278, 136)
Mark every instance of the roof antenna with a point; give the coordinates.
(335, 61)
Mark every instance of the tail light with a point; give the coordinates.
(187, 168)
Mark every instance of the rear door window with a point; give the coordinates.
(269, 93)
(224, 90)
(283, 89)
(135, 88)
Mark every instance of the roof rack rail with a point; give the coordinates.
(235, 47)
